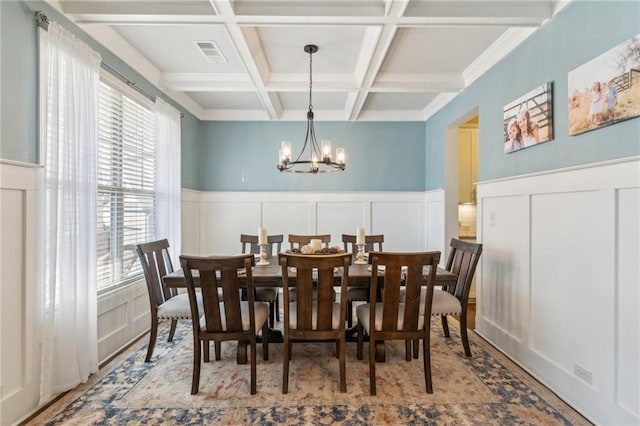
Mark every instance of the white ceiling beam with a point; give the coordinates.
(249, 49)
(355, 104)
(458, 21)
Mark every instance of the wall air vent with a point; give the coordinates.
(211, 52)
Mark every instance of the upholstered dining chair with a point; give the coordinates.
(453, 300)
(230, 318)
(314, 316)
(392, 318)
(359, 294)
(164, 303)
(297, 241)
(265, 294)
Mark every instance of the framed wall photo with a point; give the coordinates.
(528, 120)
(605, 90)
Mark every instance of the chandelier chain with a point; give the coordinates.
(310, 80)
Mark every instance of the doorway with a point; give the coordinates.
(467, 178)
(461, 174)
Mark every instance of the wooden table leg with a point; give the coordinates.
(241, 357)
(380, 353)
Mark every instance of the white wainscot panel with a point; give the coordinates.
(337, 218)
(434, 208)
(288, 217)
(19, 278)
(402, 224)
(190, 226)
(13, 301)
(224, 222)
(123, 314)
(571, 279)
(627, 312)
(503, 296)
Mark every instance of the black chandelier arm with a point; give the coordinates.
(290, 167)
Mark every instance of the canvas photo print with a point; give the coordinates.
(528, 120)
(605, 90)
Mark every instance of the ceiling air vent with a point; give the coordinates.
(211, 52)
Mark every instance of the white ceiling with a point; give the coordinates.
(396, 60)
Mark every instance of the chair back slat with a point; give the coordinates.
(210, 299)
(156, 263)
(274, 244)
(463, 260)
(371, 243)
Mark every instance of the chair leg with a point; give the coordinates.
(278, 306)
(153, 334)
(205, 350)
(217, 349)
(426, 355)
(265, 342)
(407, 349)
(272, 314)
(463, 333)
(349, 313)
(360, 340)
(372, 366)
(343, 375)
(285, 365)
(416, 348)
(172, 330)
(252, 342)
(195, 380)
(445, 326)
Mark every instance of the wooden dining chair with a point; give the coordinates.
(392, 318)
(164, 303)
(453, 300)
(297, 241)
(230, 318)
(265, 294)
(359, 294)
(312, 318)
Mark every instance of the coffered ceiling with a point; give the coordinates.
(244, 60)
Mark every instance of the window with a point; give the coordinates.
(126, 204)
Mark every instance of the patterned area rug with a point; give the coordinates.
(484, 389)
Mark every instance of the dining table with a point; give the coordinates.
(271, 276)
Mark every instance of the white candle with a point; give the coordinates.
(262, 235)
(360, 236)
(316, 245)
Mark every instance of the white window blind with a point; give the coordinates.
(126, 174)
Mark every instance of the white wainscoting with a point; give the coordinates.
(19, 347)
(558, 288)
(408, 220)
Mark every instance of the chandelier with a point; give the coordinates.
(319, 159)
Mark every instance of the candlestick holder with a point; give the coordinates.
(360, 260)
(263, 255)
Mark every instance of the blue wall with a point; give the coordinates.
(18, 70)
(19, 58)
(579, 33)
(381, 156)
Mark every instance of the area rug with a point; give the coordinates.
(484, 389)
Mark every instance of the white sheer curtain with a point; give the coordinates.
(168, 178)
(71, 72)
